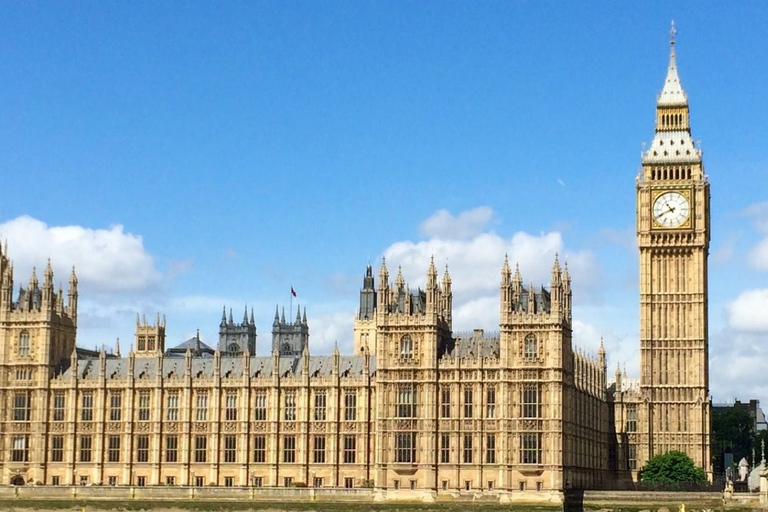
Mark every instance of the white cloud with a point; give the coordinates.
(758, 256)
(738, 359)
(106, 260)
(475, 264)
(749, 311)
(443, 225)
(325, 331)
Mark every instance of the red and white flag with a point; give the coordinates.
(293, 292)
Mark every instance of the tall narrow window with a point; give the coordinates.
(468, 402)
(20, 449)
(406, 347)
(143, 408)
(530, 347)
(445, 402)
(201, 406)
(632, 457)
(86, 412)
(201, 448)
(151, 343)
(113, 449)
(115, 405)
(57, 448)
(350, 406)
(531, 401)
(230, 448)
(289, 449)
(406, 402)
(467, 449)
(350, 449)
(141, 344)
(319, 406)
(24, 343)
(85, 448)
(631, 418)
(59, 406)
(490, 403)
(405, 447)
(142, 449)
(260, 405)
(490, 449)
(171, 449)
(445, 448)
(259, 449)
(230, 412)
(290, 406)
(21, 406)
(318, 455)
(530, 449)
(172, 406)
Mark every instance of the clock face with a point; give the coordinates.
(671, 209)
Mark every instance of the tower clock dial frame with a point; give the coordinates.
(671, 209)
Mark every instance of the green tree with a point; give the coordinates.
(732, 429)
(672, 468)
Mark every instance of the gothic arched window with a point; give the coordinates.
(24, 343)
(530, 348)
(406, 347)
(233, 348)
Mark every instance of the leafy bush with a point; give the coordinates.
(672, 467)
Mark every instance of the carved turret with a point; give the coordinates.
(150, 338)
(236, 338)
(72, 295)
(48, 294)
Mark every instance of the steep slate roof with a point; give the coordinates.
(230, 367)
(192, 344)
(475, 347)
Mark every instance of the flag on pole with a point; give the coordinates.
(293, 292)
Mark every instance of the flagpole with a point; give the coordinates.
(290, 309)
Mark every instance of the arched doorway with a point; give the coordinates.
(17, 480)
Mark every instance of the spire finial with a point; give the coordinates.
(672, 33)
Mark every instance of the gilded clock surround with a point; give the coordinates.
(686, 194)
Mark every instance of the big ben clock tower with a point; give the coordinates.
(673, 238)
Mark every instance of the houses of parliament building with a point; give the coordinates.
(416, 406)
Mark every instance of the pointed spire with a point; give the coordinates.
(446, 279)
(277, 315)
(117, 347)
(72, 279)
(231, 321)
(399, 280)
(672, 93)
(304, 318)
(245, 316)
(505, 270)
(48, 274)
(282, 318)
(383, 274)
(298, 314)
(253, 322)
(224, 315)
(556, 272)
(431, 274)
(33, 282)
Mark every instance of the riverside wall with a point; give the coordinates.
(96, 498)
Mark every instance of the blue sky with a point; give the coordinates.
(188, 155)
